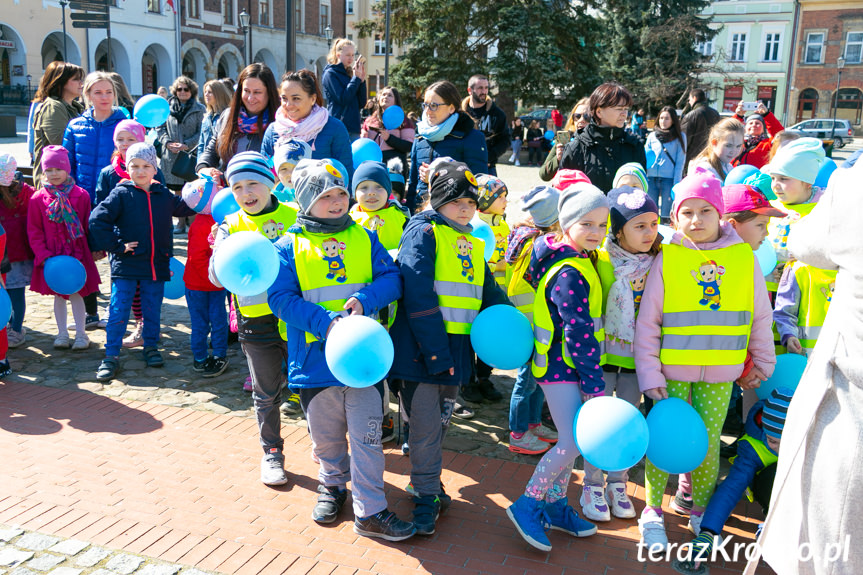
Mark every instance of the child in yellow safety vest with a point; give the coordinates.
(569, 343)
(526, 433)
(330, 267)
(704, 306)
(260, 332)
(623, 263)
(801, 305)
(374, 210)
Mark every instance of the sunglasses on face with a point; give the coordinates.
(578, 117)
(183, 89)
(433, 106)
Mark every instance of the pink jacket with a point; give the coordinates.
(652, 373)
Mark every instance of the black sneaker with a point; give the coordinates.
(330, 501)
(487, 390)
(5, 368)
(215, 366)
(199, 366)
(388, 432)
(471, 393)
(92, 322)
(426, 512)
(153, 357)
(107, 369)
(384, 525)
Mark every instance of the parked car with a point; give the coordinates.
(540, 114)
(823, 129)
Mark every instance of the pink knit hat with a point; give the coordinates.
(56, 157)
(132, 127)
(702, 185)
(565, 178)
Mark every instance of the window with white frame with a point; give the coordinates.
(193, 9)
(814, 48)
(854, 47)
(325, 17)
(349, 6)
(264, 12)
(380, 45)
(737, 49)
(705, 48)
(772, 49)
(154, 6)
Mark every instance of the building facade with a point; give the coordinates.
(829, 30)
(373, 48)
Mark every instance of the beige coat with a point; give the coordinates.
(817, 501)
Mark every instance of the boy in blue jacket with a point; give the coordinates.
(330, 267)
(446, 284)
(133, 224)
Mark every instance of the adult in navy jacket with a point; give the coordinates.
(443, 131)
(90, 137)
(345, 85)
(129, 214)
(302, 116)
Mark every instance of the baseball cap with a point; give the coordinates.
(746, 198)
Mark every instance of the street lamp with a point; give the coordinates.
(244, 28)
(840, 63)
(328, 32)
(29, 93)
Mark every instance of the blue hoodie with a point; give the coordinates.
(91, 145)
(345, 95)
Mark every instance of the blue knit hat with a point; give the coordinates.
(775, 411)
(625, 203)
(541, 204)
(799, 159)
(291, 152)
(631, 169)
(374, 171)
(250, 166)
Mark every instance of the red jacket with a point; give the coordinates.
(760, 154)
(198, 253)
(14, 221)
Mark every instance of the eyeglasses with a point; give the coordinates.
(578, 117)
(182, 89)
(433, 106)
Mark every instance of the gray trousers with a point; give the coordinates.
(626, 386)
(266, 359)
(427, 407)
(334, 413)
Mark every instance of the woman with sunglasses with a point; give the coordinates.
(603, 145)
(443, 131)
(576, 122)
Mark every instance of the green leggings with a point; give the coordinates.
(710, 400)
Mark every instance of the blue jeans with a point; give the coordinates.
(19, 307)
(659, 189)
(525, 404)
(209, 317)
(122, 293)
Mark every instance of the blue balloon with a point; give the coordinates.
(365, 150)
(151, 111)
(246, 263)
(341, 167)
(650, 157)
(483, 231)
(393, 117)
(502, 337)
(65, 275)
(611, 433)
(359, 351)
(678, 437)
(549, 135)
(787, 373)
(5, 307)
(766, 256)
(823, 177)
(740, 173)
(176, 287)
(224, 204)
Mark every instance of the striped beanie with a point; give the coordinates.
(250, 166)
(490, 189)
(631, 169)
(775, 411)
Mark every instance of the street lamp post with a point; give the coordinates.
(63, 4)
(244, 28)
(840, 63)
(29, 89)
(328, 32)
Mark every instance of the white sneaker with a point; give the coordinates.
(528, 444)
(517, 163)
(81, 342)
(593, 504)
(512, 158)
(695, 524)
(621, 506)
(652, 529)
(544, 433)
(62, 342)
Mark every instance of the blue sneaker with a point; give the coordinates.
(528, 516)
(562, 517)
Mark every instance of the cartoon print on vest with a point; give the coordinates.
(333, 252)
(272, 230)
(500, 246)
(637, 286)
(463, 248)
(708, 277)
(376, 223)
(827, 291)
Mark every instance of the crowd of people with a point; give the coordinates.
(617, 308)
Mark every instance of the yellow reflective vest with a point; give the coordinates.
(388, 223)
(778, 230)
(708, 305)
(816, 292)
(459, 276)
(272, 225)
(330, 268)
(619, 353)
(766, 456)
(502, 272)
(543, 329)
(521, 294)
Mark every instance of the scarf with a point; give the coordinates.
(306, 129)
(180, 109)
(664, 136)
(119, 165)
(247, 124)
(315, 225)
(620, 311)
(60, 209)
(439, 132)
(515, 243)
(751, 141)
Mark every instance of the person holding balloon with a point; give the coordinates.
(704, 306)
(303, 116)
(569, 350)
(388, 126)
(311, 297)
(262, 336)
(133, 224)
(57, 225)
